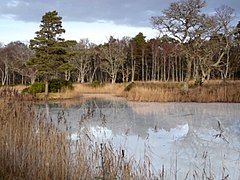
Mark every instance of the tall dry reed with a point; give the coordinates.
(33, 147)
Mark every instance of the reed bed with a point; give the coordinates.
(213, 91)
(29, 149)
(6, 91)
(151, 95)
(33, 147)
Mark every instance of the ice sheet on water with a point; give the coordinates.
(185, 131)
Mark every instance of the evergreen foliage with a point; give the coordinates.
(55, 85)
(50, 49)
(37, 87)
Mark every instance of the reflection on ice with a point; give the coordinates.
(174, 134)
(104, 134)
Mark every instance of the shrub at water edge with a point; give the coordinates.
(55, 85)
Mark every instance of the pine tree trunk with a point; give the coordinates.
(164, 68)
(132, 65)
(176, 68)
(46, 88)
(143, 64)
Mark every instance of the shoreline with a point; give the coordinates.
(211, 92)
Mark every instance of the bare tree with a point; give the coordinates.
(213, 51)
(184, 21)
(4, 65)
(113, 56)
(133, 61)
(125, 69)
(20, 54)
(82, 59)
(225, 16)
(13, 61)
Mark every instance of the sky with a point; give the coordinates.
(92, 19)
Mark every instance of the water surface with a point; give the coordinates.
(184, 137)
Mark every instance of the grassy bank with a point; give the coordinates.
(80, 89)
(212, 91)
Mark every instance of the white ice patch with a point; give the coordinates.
(101, 132)
(174, 134)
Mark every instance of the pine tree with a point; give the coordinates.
(50, 49)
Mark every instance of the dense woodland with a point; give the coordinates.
(191, 46)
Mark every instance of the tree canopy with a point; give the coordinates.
(192, 45)
(50, 49)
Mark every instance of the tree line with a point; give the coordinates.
(191, 45)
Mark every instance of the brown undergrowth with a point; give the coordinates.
(213, 91)
(79, 89)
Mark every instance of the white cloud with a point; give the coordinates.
(99, 32)
(93, 19)
(127, 12)
(13, 4)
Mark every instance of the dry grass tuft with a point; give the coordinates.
(80, 89)
(106, 88)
